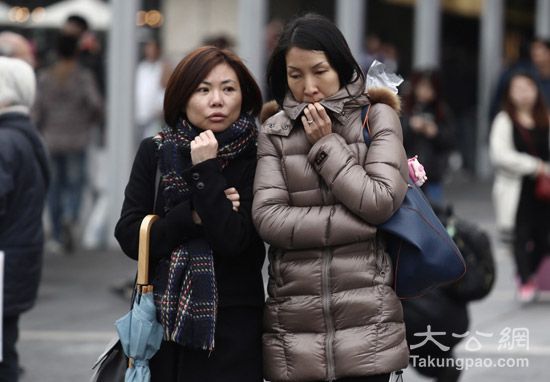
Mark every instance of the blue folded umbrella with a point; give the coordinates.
(140, 335)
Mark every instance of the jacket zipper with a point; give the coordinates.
(325, 280)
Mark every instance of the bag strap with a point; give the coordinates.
(366, 127)
(157, 186)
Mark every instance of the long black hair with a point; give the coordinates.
(311, 32)
(540, 115)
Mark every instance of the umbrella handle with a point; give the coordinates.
(143, 251)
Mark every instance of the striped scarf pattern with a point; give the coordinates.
(185, 287)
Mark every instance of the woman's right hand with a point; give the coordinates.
(204, 147)
(316, 121)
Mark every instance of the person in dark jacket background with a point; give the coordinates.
(23, 185)
(428, 130)
(206, 156)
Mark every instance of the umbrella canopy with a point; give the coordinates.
(96, 12)
(140, 335)
(139, 331)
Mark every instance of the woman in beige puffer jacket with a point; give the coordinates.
(332, 314)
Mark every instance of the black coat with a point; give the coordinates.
(23, 186)
(238, 250)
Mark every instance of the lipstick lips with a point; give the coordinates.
(217, 117)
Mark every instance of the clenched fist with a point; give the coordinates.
(204, 147)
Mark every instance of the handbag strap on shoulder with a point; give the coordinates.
(366, 128)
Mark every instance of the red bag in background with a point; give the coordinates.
(542, 187)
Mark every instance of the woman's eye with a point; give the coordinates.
(229, 89)
(202, 90)
(319, 72)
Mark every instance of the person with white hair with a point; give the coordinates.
(24, 179)
(14, 45)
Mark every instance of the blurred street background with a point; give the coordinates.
(461, 50)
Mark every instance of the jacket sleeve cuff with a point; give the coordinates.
(329, 155)
(201, 176)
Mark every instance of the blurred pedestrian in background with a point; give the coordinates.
(428, 130)
(519, 149)
(152, 75)
(332, 313)
(91, 56)
(540, 55)
(444, 310)
(376, 48)
(90, 53)
(68, 108)
(534, 57)
(222, 41)
(15, 45)
(206, 255)
(23, 185)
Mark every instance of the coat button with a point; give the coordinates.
(195, 176)
(200, 185)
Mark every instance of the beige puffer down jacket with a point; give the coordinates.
(331, 311)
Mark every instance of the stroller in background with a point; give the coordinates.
(445, 309)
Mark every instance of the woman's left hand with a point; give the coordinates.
(316, 121)
(233, 195)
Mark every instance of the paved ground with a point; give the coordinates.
(73, 319)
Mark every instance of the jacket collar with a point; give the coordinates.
(334, 103)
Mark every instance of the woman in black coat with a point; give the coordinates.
(206, 256)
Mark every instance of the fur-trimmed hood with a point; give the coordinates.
(386, 96)
(375, 95)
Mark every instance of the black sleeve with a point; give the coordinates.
(170, 230)
(445, 139)
(227, 231)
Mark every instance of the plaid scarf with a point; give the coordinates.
(185, 285)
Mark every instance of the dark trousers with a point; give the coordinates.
(531, 233)
(68, 178)
(237, 356)
(9, 366)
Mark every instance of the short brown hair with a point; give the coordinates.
(194, 68)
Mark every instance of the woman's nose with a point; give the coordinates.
(310, 86)
(216, 98)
